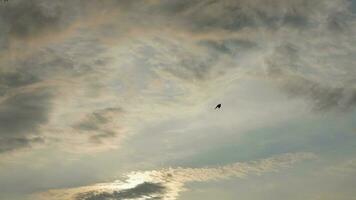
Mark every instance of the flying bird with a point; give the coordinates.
(218, 106)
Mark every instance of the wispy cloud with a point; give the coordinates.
(166, 55)
(343, 168)
(168, 183)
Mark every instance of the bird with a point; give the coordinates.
(218, 106)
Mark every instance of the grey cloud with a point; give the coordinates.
(322, 97)
(256, 16)
(20, 118)
(201, 66)
(33, 17)
(192, 68)
(10, 144)
(177, 6)
(186, 64)
(288, 66)
(92, 123)
(229, 46)
(79, 58)
(42, 20)
(353, 6)
(57, 60)
(338, 22)
(74, 61)
(236, 15)
(27, 18)
(146, 189)
(23, 108)
(289, 25)
(97, 124)
(13, 80)
(24, 112)
(94, 120)
(285, 58)
(102, 135)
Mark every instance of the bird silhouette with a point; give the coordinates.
(218, 106)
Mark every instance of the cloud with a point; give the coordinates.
(343, 168)
(168, 183)
(11, 80)
(229, 46)
(15, 143)
(29, 18)
(144, 190)
(323, 97)
(99, 125)
(28, 24)
(34, 86)
(280, 35)
(286, 67)
(157, 60)
(170, 55)
(21, 116)
(237, 15)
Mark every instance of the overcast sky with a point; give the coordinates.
(114, 99)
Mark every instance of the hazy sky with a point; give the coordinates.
(114, 100)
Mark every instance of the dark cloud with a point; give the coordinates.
(322, 97)
(44, 21)
(229, 46)
(97, 124)
(79, 57)
(13, 80)
(186, 65)
(193, 68)
(28, 18)
(287, 66)
(32, 17)
(353, 6)
(102, 135)
(177, 6)
(20, 118)
(93, 121)
(24, 112)
(286, 57)
(255, 16)
(9, 144)
(339, 22)
(235, 15)
(24, 109)
(146, 189)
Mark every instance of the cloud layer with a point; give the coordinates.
(107, 65)
(168, 183)
(81, 79)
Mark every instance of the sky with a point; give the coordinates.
(114, 99)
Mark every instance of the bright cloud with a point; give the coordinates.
(168, 183)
